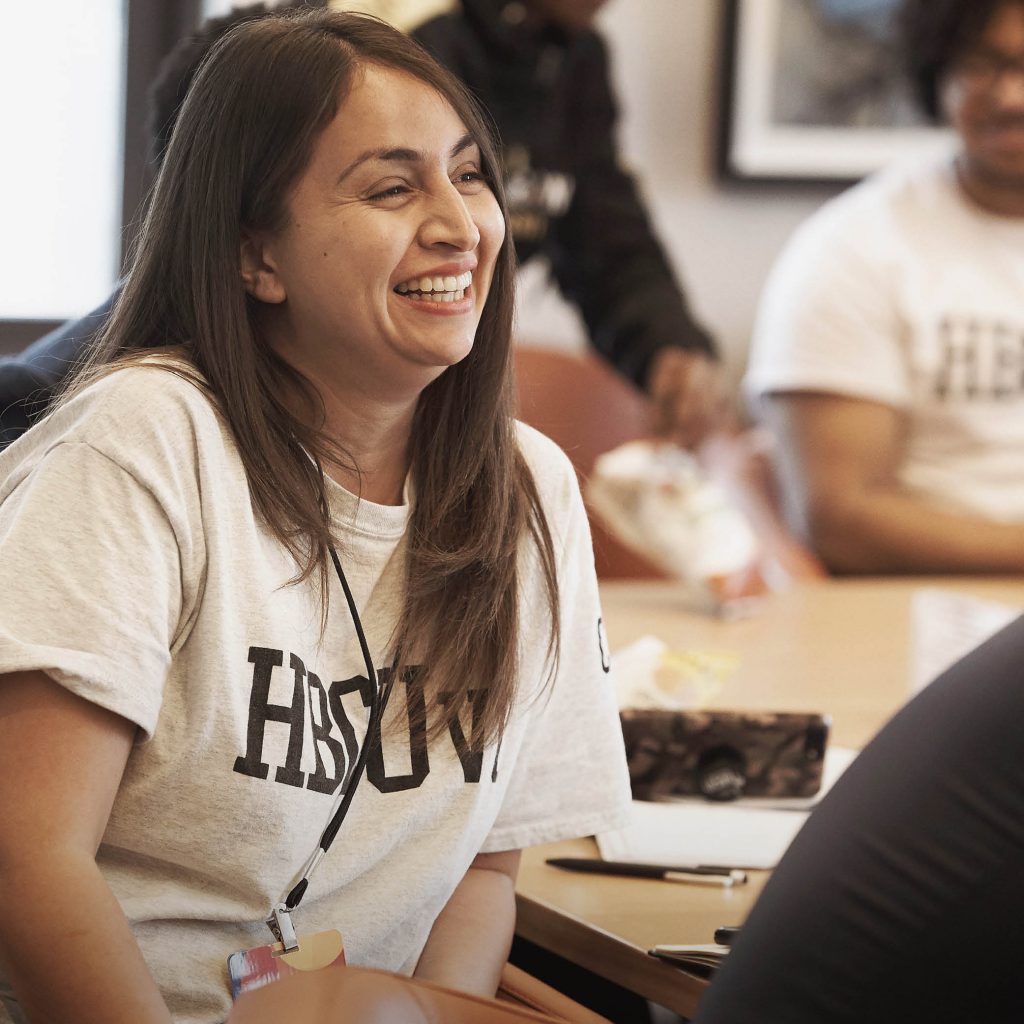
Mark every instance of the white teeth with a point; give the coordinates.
(450, 288)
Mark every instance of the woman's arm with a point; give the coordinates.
(470, 940)
(66, 946)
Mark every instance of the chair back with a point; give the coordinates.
(586, 408)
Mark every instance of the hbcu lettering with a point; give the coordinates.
(979, 361)
(419, 763)
(320, 781)
(471, 754)
(335, 758)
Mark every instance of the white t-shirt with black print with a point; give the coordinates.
(903, 291)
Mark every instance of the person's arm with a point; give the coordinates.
(838, 460)
(66, 946)
(607, 259)
(470, 940)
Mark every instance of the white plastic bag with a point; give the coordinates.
(656, 500)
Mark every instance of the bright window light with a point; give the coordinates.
(62, 79)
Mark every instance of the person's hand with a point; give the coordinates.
(688, 392)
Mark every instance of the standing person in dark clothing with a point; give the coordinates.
(542, 71)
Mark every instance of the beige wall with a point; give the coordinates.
(721, 238)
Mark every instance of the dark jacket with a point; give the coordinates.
(29, 380)
(569, 200)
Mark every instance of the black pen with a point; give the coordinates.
(700, 874)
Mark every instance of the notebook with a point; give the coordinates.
(702, 960)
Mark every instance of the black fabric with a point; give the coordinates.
(550, 96)
(29, 380)
(617, 1004)
(902, 899)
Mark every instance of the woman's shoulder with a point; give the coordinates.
(553, 473)
(154, 409)
(158, 394)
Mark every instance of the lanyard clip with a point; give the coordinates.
(280, 925)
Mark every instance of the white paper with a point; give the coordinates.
(694, 833)
(946, 625)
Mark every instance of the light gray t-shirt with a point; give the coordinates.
(135, 571)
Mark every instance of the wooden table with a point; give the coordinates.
(838, 646)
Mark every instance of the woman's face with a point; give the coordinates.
(379, 277)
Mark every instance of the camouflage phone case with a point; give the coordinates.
(723, 755)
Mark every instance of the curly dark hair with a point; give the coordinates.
(934, 34)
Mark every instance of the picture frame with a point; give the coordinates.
(815, 92)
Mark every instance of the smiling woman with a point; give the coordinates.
(346, 278)
(282, 534)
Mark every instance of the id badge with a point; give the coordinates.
(253, 968)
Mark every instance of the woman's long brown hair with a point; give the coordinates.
(245, 133)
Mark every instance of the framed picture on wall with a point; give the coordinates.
(815, 91)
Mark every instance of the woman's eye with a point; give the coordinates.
(470, 178)
(391, 192)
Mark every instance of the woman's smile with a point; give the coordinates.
(439, 293)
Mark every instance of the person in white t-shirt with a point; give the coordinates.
(888, 354)
(282, 535)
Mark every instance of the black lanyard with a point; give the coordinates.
(279, 921)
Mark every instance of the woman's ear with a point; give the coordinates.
(258, 269)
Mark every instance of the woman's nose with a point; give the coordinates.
(449, 222)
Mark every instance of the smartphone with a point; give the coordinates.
(723, 755)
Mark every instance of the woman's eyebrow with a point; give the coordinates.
(402, 155)
(464, 143)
